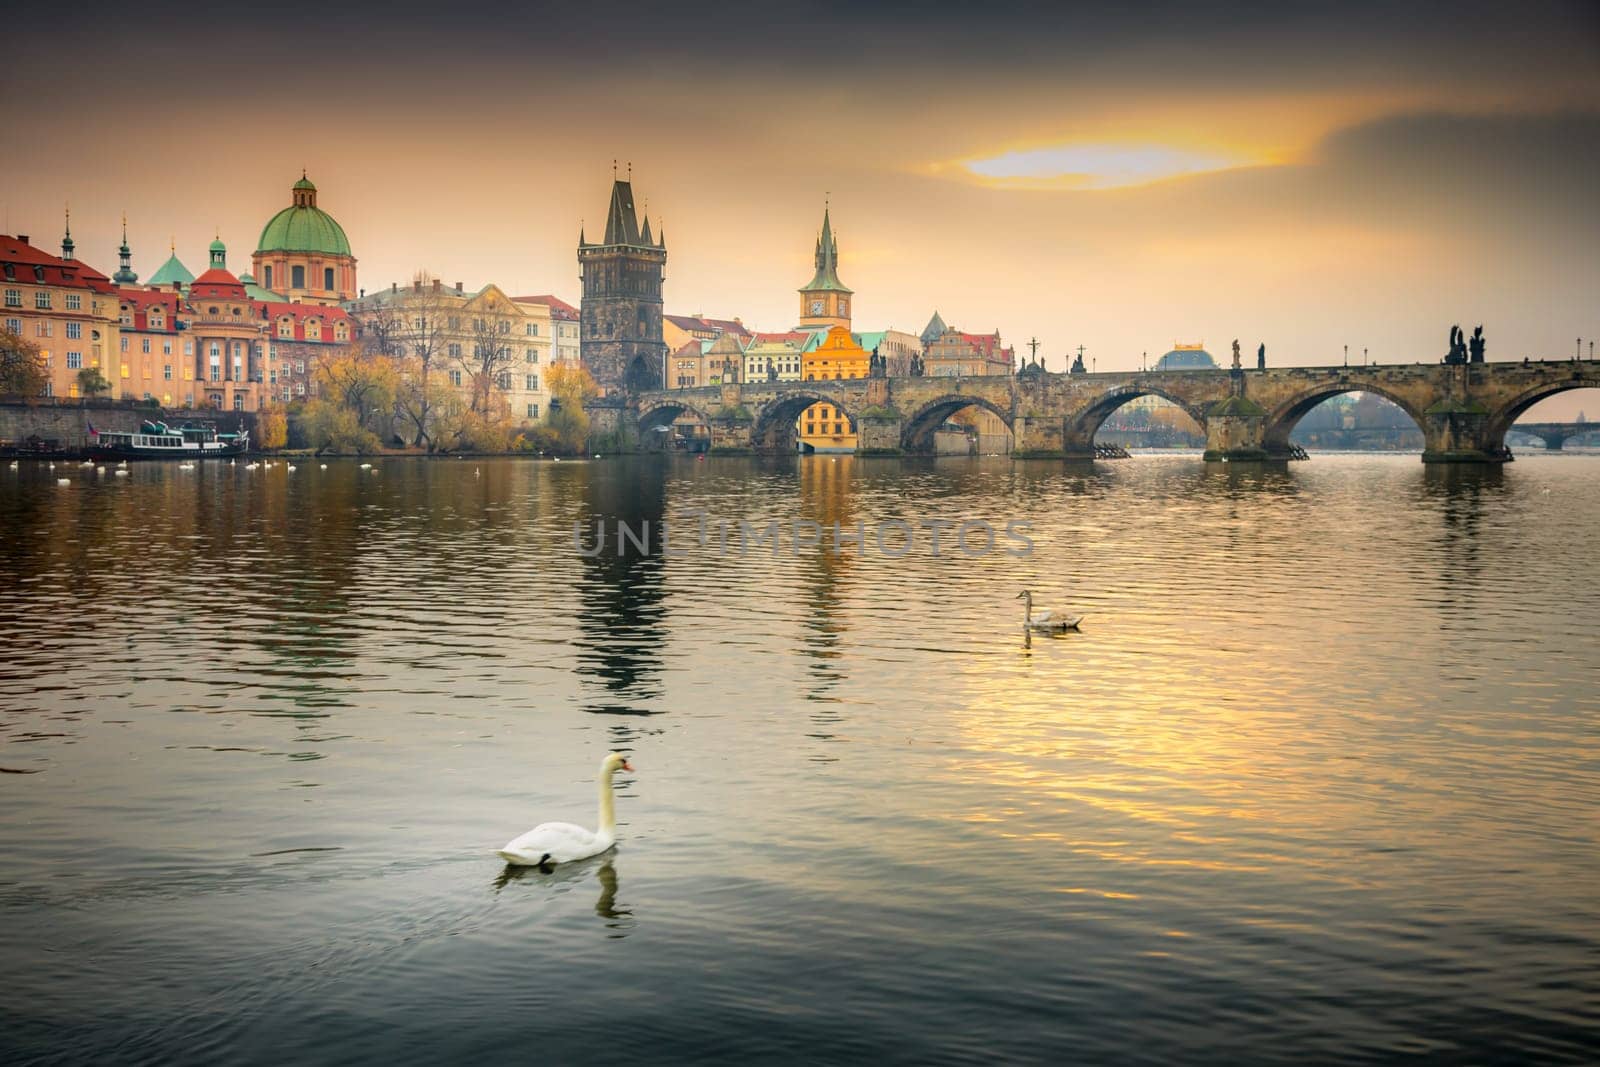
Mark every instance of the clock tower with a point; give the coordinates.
(825, 301)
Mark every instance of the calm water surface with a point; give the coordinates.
(1319, 781)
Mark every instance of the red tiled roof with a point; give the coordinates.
(559, 308)
(689, 322)
(216, 282)
(728, 326)
(66, 273)
(797, 336)
(274, 313)
(140, 301)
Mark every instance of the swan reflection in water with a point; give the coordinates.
(565, 877)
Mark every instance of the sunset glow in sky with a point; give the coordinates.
(1309, 176)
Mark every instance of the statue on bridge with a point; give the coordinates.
(1261, 356)
(916, 365)
(1458, 347)
(877, 366)
(1077, 364)
(1476, 345)
(1236, 364)
(772, 371)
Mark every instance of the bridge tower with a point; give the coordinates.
(620, 317)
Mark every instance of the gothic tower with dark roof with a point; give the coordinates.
(620, 317)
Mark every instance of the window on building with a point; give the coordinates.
(41, 298)
(74, 331)
(14, 325)
(166, 348)
(327, 278)
(45, 328)
(533, 383)
(238, 401)
(74, 360)
(124, 344)
(144, 345)
(533, 411)
(454, 351)
(13, 298)
(455, 323)
(455, 378)
(503, 379)
(266, 277)
(166, 372)
(216, 372)
(74, 302)
(188, 348)
(286, 328)
(297, 277)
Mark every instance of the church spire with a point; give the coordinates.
(67, 244)
(125, 275)
(622, 225)
(827, 276)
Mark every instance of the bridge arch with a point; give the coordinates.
(1281, 420)
(1583, 377)
(659, 415)
(1082, 426)
(776, 431)
(916, 435)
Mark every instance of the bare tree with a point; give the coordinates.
(491, 355)
(412, 327)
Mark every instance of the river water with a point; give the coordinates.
(1318, 781)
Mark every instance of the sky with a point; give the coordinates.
(1309, 176)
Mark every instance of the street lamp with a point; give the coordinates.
(1346, 355)
(1363, 357)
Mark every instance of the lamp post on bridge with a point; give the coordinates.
(1346, 355)
(1364, 357)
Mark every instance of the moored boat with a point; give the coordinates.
(157, 440)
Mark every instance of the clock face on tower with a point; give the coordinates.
(816, 307)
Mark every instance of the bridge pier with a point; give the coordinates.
(1458, 431)
(878, 433)
(1043, 437)
(1236, 431)
(613, 425)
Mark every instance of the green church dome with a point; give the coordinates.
(304, 227)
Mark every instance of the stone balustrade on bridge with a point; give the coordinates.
(1463, 411)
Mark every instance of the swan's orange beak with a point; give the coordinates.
(627, 766)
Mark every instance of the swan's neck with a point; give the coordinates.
(608, 813)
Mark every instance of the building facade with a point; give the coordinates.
(64, 306)
(492, 349)
(776, 357)
(622, 343)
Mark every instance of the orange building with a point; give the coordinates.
(64, 306)
(823, 428)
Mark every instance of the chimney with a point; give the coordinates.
(363, 294)
(436, 285)
(416, 285)
(458, 287)
(394, 287)
(22, 237)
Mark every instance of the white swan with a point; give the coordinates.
(563, 842)
(1046, 620)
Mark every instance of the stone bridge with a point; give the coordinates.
(1462, 410)
(1556, 434)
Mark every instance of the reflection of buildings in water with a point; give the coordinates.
(826, 497)
(621, 620)
(1461, 492)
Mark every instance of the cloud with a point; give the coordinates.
(1093, 166)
